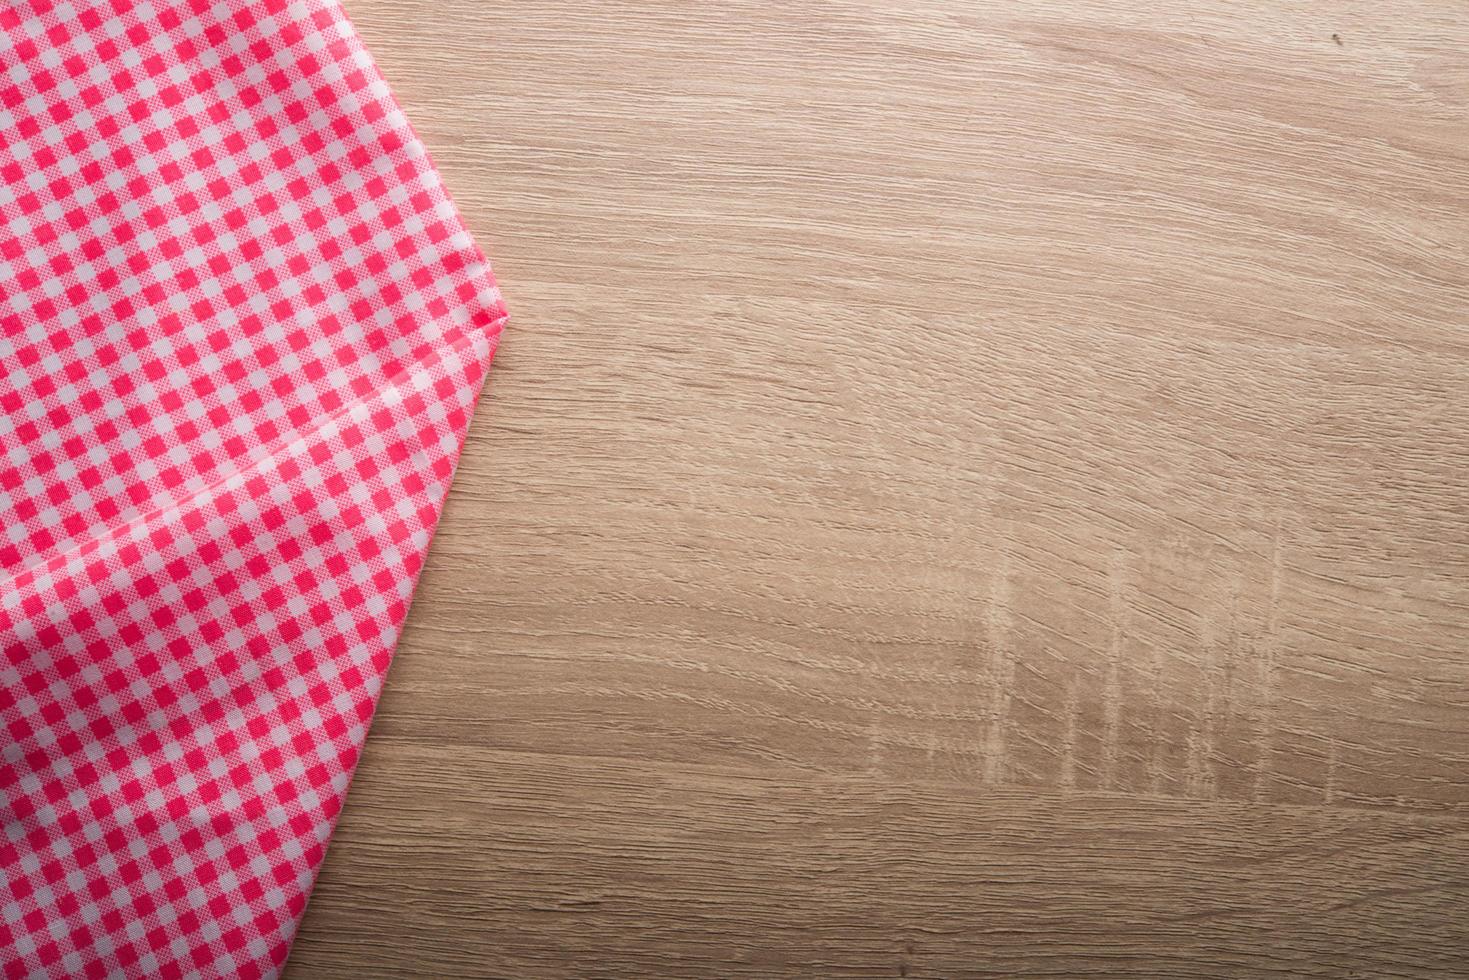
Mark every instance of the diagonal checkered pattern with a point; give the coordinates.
(242, 329)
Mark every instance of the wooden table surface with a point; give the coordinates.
(969, 489)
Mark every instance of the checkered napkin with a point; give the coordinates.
(242, 330)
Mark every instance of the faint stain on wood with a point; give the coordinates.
(1000, 675)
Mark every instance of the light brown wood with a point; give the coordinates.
(969, 489)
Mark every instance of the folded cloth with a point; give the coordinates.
(242, 330)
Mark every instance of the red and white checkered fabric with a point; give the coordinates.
(242, 329)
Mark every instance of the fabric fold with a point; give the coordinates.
(242, 332)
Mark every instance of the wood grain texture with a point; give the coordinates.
(969, 489)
